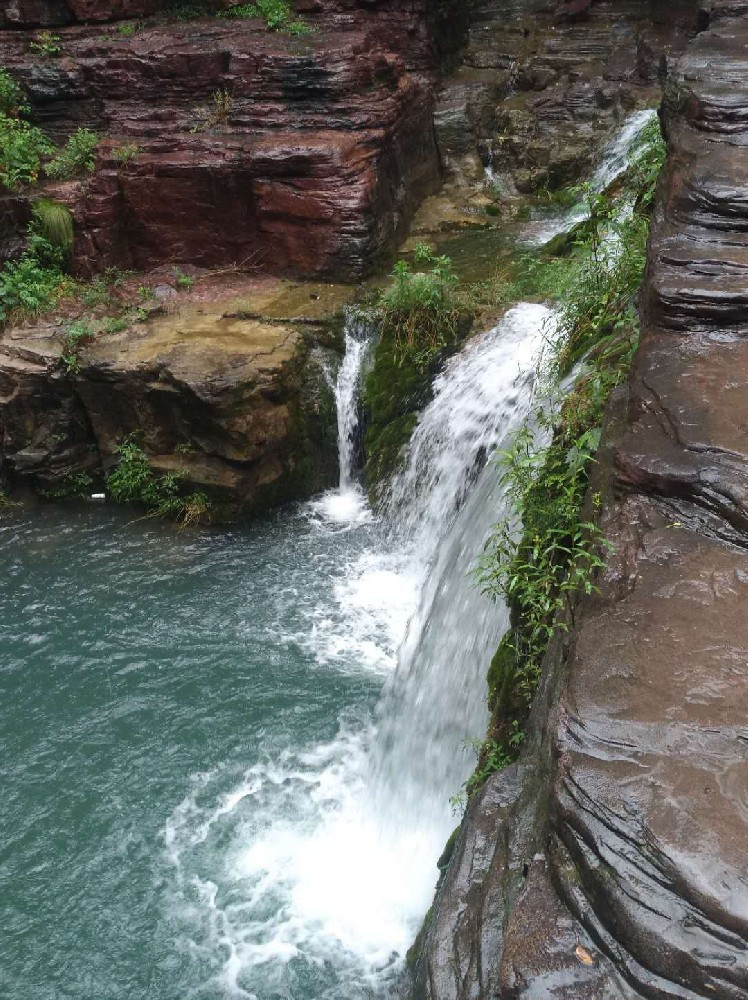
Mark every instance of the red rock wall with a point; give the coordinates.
(315, 168)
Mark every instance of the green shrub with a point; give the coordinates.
(116, 324)
(420, 310)
(33, 283)
(95, 293)
(76, 157)
(133, 481)
(220, 112)
(126, 153)
(645, 172)
(23, 148)
(183, 280)
(54, 223)
(74, 485)
(12, 99)
(128, 28)
(76, 335)
(46, 44)
(419, 326)
(277, 15)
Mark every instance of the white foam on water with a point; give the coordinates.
(372, 601)
(329, 856)
(342, 508)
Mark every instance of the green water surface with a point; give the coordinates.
(141, 666)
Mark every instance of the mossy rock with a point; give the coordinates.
(396, 388)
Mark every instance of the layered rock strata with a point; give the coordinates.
(612, 860)
(226, 142)
(229, 387)
(543, 83)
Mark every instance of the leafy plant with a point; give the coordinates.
(219, 115)
(277, 15)
(420, 310)
(76, 335)
(12, 98)
(116, 324)
(133, 481)
(33, 283)
(183, 280)
(127, 152)
(54, 223)
(23, 147)
(558, 551)
(128, 28)
(75, 485)
(645, 171)
(46, 44)
(76, 157)
(95, 293)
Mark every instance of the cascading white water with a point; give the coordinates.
(348, 504)
(617, 157)
(331, 858)
(357, 335)
(445, 502)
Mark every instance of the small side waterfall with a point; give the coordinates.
(357, 335)
(616, 158)
(347, 505)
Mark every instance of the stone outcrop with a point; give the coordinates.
(226, 142)
(543, 83)
(611, 861)
(229, 390)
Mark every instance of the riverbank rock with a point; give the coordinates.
(229, 389)
(611, 862)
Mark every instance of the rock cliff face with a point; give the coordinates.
(227, 385)
(543, 82)
(224, 144)
(611, 860)
(311, 163)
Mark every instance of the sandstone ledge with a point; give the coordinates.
(229, 385)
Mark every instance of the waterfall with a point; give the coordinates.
(445, 502)
(348, 505)
(357, 334)
(332, 846)
(616, 158)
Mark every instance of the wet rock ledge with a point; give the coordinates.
(612, 860)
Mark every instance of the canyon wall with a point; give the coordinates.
(230, 148)
(610, 861)
(312, 165)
